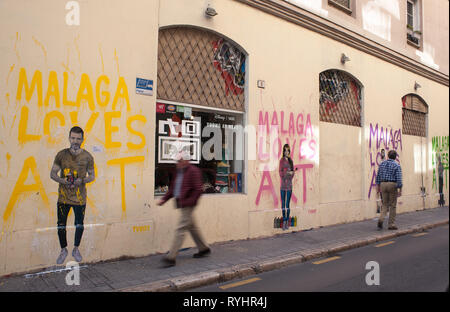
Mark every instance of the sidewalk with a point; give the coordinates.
(227, 261)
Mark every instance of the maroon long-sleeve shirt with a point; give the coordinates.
(191, 188)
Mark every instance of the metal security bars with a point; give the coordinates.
(410, 14)
(340, 98)
(199, 67)
(344, 3)
(414, 116)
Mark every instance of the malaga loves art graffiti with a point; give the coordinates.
(290, 128)
(381, 139)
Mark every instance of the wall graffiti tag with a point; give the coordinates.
(381, 140)
(440, 148)
(230, 61)
(339, 98)
(298, 133)
(102, 105)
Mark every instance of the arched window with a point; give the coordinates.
(199, 67)
(200, 90)
(340, 98)
(414, 115)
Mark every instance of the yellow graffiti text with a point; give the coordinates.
(85, 90)
(142, 228)
(122, 162)
(85, 94)
(24, 137)
(21, 188)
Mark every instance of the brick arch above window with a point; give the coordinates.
(340, 98)
(196, 66)
(414, 115)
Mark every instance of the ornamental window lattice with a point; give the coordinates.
(414, 116)
(344, 3)
(340, 98)
(199, 67)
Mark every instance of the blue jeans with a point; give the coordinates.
(285, 201)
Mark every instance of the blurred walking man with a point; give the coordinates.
(389, 183)
(186, 187)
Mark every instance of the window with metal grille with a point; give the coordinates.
(343, 5)
(410, 14)
(414, 116)
(201, 84)
(199, 67)
(340, 98)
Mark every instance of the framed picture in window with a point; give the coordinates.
(169, 147)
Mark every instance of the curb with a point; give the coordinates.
(243, 270)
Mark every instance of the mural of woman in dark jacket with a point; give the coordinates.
(186, 188)
(286, 171)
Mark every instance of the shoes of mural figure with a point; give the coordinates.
(392, 227)
(76, 254)
(62, 256)
(380, 225)
(167, 263)
(202, 253)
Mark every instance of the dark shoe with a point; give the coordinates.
(392, 228)
(167, 263)
(380, 225)
(202, 253)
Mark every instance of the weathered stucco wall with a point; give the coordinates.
(54, 76)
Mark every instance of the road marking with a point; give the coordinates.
(326, 260)
(384, 244)
(251, 280)
(62, 269)
(420, 234)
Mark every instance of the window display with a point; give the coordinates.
(189, 128)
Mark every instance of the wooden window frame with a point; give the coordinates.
(341, 7)
(413, 32)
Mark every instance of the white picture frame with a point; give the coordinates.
(169, 147)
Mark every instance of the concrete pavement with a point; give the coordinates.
(228, 260)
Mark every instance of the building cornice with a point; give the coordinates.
(336, 32)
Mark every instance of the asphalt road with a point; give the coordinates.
(410, 263)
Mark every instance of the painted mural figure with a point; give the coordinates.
(186, 188)
(389, 183)
(76, 168)
(286, 170)
(441, 181)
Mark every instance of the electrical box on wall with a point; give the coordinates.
(261, 84)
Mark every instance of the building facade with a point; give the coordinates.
(230, 81)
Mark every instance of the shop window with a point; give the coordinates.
(200, 108)
(414, 116)
(214, 140)
(340, 98)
